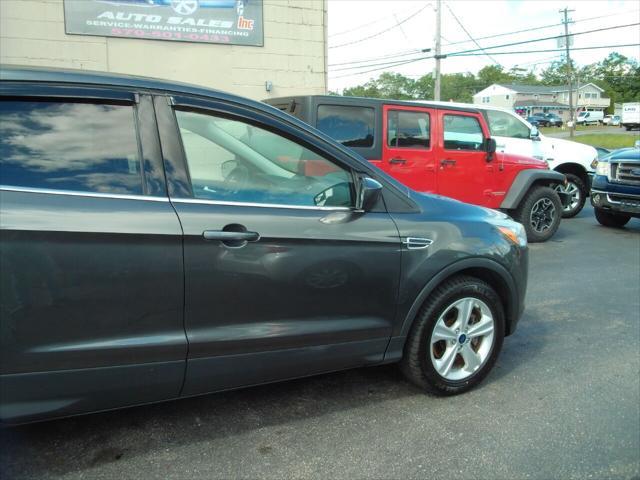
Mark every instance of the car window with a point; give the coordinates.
(87, 147)
(351, 126)
(408, 129)
(462, 133)
(230, 160)
(502, 124)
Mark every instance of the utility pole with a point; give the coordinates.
(565, 11)
(436, 85)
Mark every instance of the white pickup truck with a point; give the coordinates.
(513, 134)
(630, 115)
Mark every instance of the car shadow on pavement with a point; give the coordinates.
(79, 444)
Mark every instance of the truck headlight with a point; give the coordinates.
(603, 168)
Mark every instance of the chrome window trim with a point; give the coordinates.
(78, 193)
(260, 205)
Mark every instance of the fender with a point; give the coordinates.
(513, 307)
(523, 182)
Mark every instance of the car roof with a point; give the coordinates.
(389, 101)
(16, 73)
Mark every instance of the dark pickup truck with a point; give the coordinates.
(615, 192)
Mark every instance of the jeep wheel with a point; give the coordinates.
(576, 189)
(456, 337)
(611, 219)
(540, 212)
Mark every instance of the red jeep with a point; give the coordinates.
(438, 149)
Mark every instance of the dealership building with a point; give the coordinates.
(254, 48)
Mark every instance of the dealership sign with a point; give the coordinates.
(237, 22)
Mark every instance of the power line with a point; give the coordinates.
(470, 36)
(391, 55)
(359, 27)
(465, 52)
(546, 51)
(406, 62)
(542, 39)
(384, 65)
(396, 25)
(542, 27)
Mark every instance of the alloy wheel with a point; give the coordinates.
(574, 192)
(462, 339)
(543, 214)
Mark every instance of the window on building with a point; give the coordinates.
(408, 129)
(507, 97)
(503, 124)
(351, 126)
(462, 133)
(230, 160)
(88, 147)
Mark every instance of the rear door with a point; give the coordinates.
(91, 284)
(407, 148)
(283, 277)
(463, 170)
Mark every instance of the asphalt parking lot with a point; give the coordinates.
(562, 402)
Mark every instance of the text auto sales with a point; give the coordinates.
(155, 22)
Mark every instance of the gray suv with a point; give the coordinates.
(159, 241)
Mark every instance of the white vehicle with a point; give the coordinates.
(515, 135)
(630, 115)
(590, 117)
(611, 120)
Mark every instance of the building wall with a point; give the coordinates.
(495, 95)
(293, 57)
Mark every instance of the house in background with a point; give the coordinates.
(529, 99)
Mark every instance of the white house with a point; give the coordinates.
(530, 99)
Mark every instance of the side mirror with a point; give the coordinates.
(535, 133)
(369, 192)
(490, 147)
(228, 167)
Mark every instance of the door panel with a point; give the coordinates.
(408, 151)
(91, 281)
(277, 287)
(463, 170)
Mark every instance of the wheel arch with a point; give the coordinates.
(484, 269)
(575, 169)
(523, 183)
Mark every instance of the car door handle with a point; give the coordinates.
(447, 161)
(397, 160)
(225, 236)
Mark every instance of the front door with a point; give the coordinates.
(463, 170)
(282, 277)
(407, 150)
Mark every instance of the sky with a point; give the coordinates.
(398, 27)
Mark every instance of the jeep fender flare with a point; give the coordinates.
(522, 183)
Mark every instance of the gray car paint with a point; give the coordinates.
(106, 303)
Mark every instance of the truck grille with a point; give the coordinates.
(628, 173)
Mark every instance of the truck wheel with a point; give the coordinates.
(540, 212)
(611, 219)
(576, 189)
(456, 337)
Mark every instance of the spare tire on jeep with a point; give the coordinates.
(540, 211)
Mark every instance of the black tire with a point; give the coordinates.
(615, 220)
(531, 221)
(574, 181)
(416, 363)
